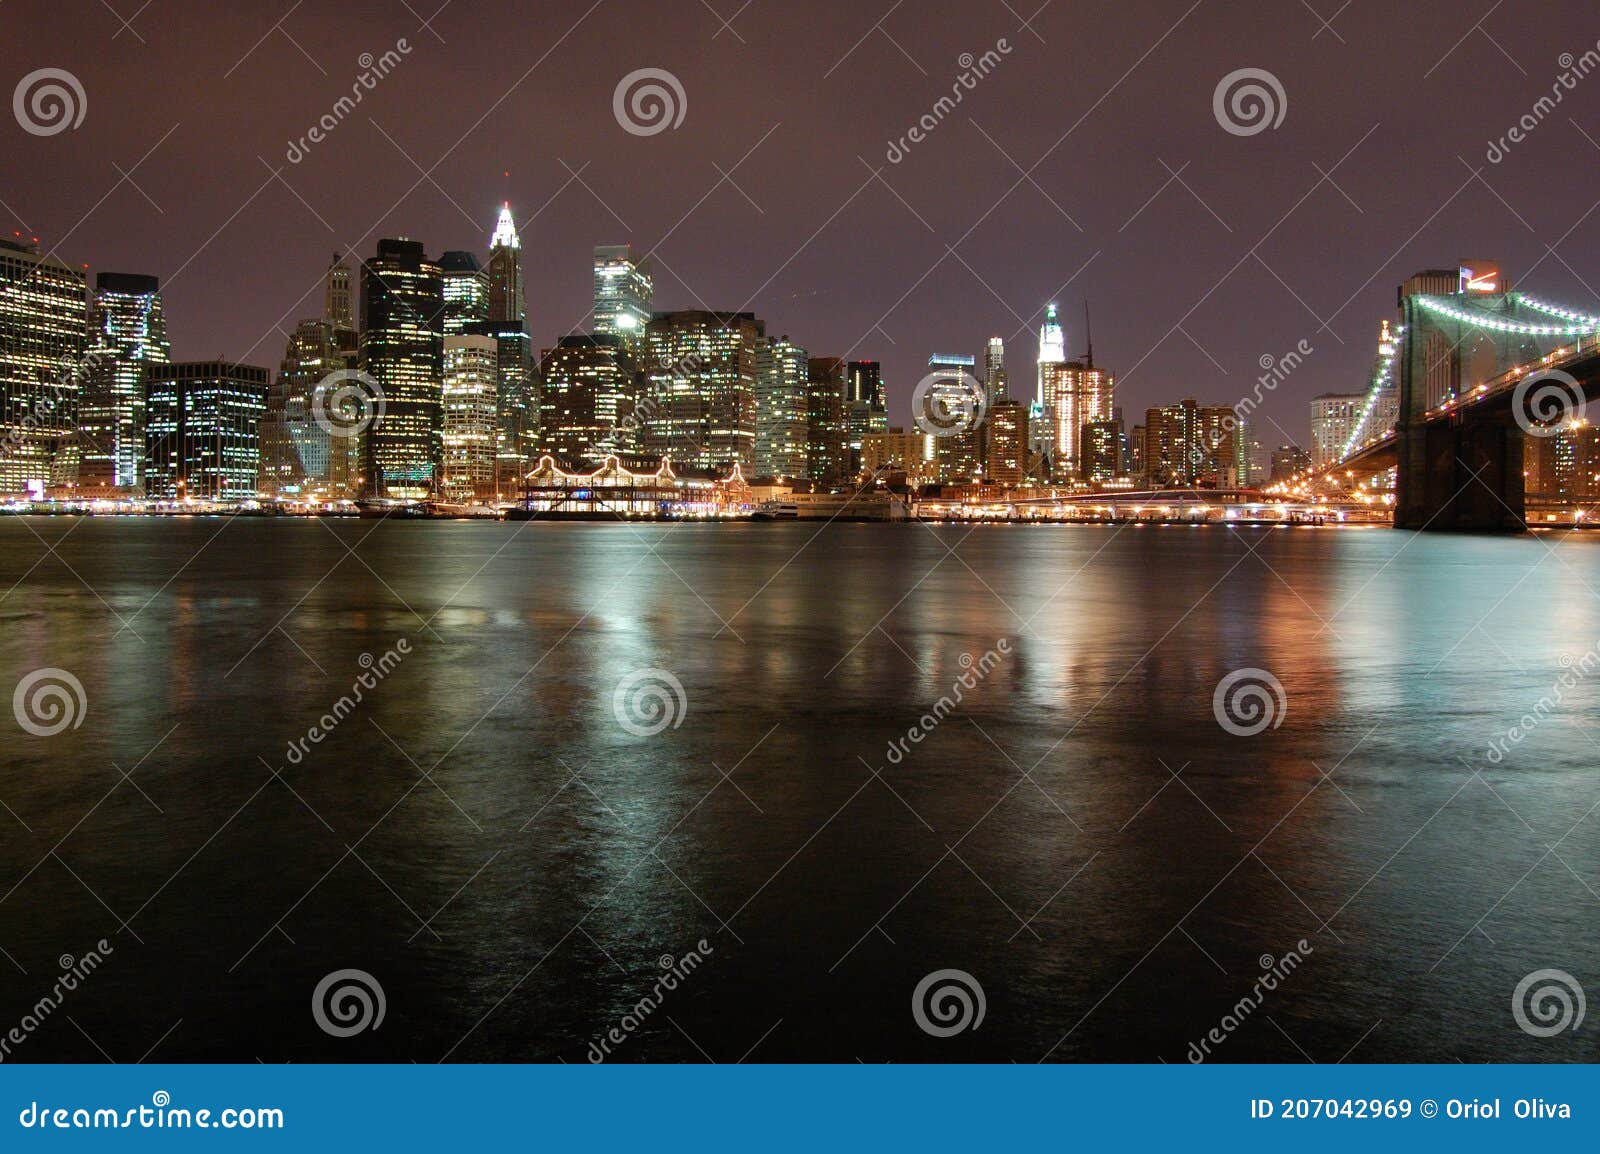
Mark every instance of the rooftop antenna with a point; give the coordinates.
(1088, 335)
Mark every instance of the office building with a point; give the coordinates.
(623, 291)
(127, 333)
(43, 320)
(1334, 420)
(202, 430)
(402, 348)
(1191, 444)
(953, 406)
(782, 409)
(471, 380)
(300, 454)
(466, 291)
(699, 400)
(899, 451)
(517, 397)
(590, 388)
(827, 435)
(1006, 442)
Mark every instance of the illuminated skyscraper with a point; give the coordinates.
(402, 347)
(1191, 444)
(43, 307)
(470, 382)
(1335, 418)
(1052, 355)
(827, 437)
(623, 291)
(466, 291)
(1078, 395)
(1006, 442)
(517, 399)
(299, 454)
(202, 430)
(995, 380)
(782, 409)
(954, 400)
(699, 406)
(338, 295)
(590, 387)
(127, 334)
(865, 410)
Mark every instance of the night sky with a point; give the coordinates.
(1241, 248)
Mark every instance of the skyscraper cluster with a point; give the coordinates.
(419, 380)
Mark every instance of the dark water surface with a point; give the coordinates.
(483, 836)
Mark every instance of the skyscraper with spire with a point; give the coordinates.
(517, 388)
(1052, 357)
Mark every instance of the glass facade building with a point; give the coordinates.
(623, 290)
(202, 429)
(402, 347)
(127, 334)
(781, 409)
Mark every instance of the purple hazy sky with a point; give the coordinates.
(1088, 164)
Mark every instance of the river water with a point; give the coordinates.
(516, 859)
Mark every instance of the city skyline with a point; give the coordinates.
(1138, 295)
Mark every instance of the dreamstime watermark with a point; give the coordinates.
(1275, 370)
(973, 69)
(1544, 401)
(48, 101)
(1573, 69)
(49, 701)
(647, 701)
(948, 1002)
(74, 971)
(373, 69)
(376, 670)
(56, 403)
(347, 402)
(347, 1003)
(1248, 101)
(676, 970)
(1276, 970)
(648, 101)
(1575, 671)
(627, 429)
(943, 405)
(1548, 1002)
(1248, 701)
(976, 671)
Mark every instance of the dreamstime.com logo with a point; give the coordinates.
(1249, 701)
(1545, 401)
(49, 101)
(1547, 1002)
(1249, 101)
(947, 1003)
(648, 701)
(648, 101)
(347, 402)
(944, 405)
(49, 701)
(347, 1003)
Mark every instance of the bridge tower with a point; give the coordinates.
(1457, 471)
